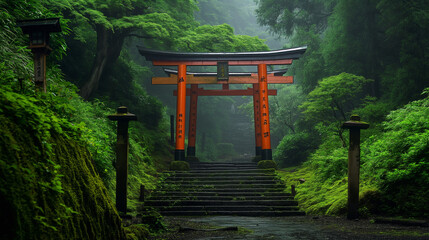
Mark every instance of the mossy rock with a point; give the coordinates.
(137, 231)
(267, 164)
(44, 174)
(179, 166)
(192, 159)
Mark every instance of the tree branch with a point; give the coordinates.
(139, 36)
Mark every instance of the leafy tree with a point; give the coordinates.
(332, 101)
(284, 110)
(115, 21)
(219, 38)
(284, 17)
(405, 49)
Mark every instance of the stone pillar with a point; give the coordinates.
(192, 120)
(266, 152)
(122, 146)
(355, 125)
(179, 153)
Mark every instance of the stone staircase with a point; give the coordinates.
(239, 189)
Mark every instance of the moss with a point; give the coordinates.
(192, 159)
(47, 177)
(179, 166)
(267, 164)
(137, 232)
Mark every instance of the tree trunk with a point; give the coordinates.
(109, 45)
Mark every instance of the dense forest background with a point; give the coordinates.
(364, 57)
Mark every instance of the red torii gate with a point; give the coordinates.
(260, 90)
(194, 92)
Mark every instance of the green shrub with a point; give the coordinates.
(179, 166)
(267, 164)
(294, 149)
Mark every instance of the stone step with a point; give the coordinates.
(235, 190)
(219, 203)
(223, 194)
(201, 164)
(218, 178)
(202, 169)
(228, 208)
(234, 213)
(224, 171)
(196, 182)
(233, 197)
(239, 189)
(220, 174)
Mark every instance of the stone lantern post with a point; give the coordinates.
(355, 125)
(38, 30)
(122, 146)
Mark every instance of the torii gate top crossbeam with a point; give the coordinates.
(278, 72)
(276, 57)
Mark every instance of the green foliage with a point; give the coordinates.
(394, 169)
(284, 17)
(179, 166)
(267, 164)
(219, 38)
(44, 171)
(137, 231)
(295, 148)
(284, 111)
(334, 98)
(397, 159)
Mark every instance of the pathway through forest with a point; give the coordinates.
(279, 228)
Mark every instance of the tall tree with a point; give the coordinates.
(405, 47)
(116, 20)
(351, 42)
(284, 17)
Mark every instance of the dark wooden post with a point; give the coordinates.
(172, 130)
(257, 119)
(122, 146)
(192, 120)
(355, 125)
(39, 30)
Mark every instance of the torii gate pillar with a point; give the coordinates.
(192, 120)
(179, 153)
(266, 152)
(257, 119)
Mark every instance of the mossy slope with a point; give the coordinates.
(48, 185)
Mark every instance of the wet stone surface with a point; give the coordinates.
(305, 227)
(266, 228)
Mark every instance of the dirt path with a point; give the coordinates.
(307, 227)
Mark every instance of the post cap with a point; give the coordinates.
(122, 114)
(122, 109)
(355, 123)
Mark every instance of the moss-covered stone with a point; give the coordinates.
(137, 232)
(267, 164)
(192, 159)
(47, 177)
(179, 166)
